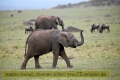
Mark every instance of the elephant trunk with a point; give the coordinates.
(63, 27)
(82, 39)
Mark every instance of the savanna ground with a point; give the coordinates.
(99, 52)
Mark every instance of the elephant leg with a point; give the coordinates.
(24, 63)
(64, 56)
(55, 59)
(28, 55)
(55, 56)
(37, 65)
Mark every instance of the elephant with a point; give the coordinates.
(103, 27)
(28, 29)
(48, 22)
(44, 41)
(95, 26)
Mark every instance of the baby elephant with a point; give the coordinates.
(44, 41)
(95, 26)
(103, 27)
(28, 29)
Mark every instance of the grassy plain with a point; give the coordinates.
(99, 52)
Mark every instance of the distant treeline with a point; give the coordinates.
(96, 3)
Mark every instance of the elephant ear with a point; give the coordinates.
(57, 20)
(62, 39)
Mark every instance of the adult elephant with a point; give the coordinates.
(48, 22)
(95, 26)
(44, 41)
(103, 27)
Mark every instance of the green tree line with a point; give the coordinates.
(96, 3)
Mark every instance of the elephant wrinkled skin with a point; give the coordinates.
(48, 22)
(43, 41)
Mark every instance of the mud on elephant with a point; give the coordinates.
(43, 41)
(48, 22)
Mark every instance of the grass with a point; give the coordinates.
(99, 52)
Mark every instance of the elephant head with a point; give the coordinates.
(69, 40)
(60, 22)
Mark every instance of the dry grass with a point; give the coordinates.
(99, 52)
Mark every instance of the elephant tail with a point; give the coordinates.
(25, 47)
(26, 44)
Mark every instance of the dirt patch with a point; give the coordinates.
(72, 29)
(87, 20)
(27, 23)
(32, 20)
(108, 15)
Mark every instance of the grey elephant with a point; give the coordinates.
(44, 41)
(103, 27)
(28, 29)
(48, 22)
(94, 26)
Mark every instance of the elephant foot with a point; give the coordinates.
(53, 67)
(38, 67)
(69, 66)
(23, 68)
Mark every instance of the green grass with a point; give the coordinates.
(99, 52)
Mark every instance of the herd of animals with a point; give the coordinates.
(93, 28)
(45, 39)
(100, 29)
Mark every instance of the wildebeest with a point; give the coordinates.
(11, 15)
(28, 29)
(95, 26)
(19, 11)
(103, 27)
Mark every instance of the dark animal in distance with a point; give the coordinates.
(48, 22)
(103, 27)
(11, 15)
(72, 29)
(28, 29)
(19, 11)
(95, 26)
(44, 41)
